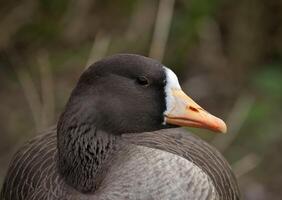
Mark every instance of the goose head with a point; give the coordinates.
(128, 93)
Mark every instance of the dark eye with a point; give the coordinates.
(142, 80)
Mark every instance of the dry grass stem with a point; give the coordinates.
(47, 89)
(162, 27)
(32, 96)
(245, 164)
(235, 120)
(99, 48)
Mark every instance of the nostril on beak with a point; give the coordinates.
(193, 109)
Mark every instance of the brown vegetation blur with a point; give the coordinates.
(227, 54)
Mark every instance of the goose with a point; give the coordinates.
(120, 137)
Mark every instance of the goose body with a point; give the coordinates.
(81, 160)
(145, 173)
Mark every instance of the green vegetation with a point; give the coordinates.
(227, 54)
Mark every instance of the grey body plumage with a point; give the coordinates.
(142, 170)
(114, 141)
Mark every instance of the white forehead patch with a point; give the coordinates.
(171, 83)
(171, 79)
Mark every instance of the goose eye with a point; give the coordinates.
(142, 80)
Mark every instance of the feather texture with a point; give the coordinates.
(166, 164)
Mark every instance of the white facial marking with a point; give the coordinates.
(171, 84)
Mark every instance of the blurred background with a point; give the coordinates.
(227, 54)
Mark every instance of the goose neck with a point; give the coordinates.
(84, 155)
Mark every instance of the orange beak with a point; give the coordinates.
(186, 112)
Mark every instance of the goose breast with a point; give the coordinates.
(148, 173)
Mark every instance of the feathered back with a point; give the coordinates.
(194, 149)
(33, 171)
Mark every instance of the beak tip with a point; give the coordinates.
(222, 128)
